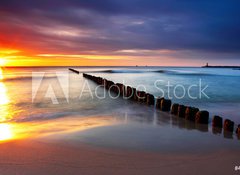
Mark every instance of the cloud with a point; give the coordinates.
(107, 27)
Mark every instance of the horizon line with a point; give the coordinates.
(90, 66)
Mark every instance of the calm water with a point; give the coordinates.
(77, 114)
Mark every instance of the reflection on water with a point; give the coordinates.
(5, 129)
(150, 130)
(20, 118)
(147, 118)
(15, 131)
(5, 132)
(4, 111)
(12, 128)
(3, 91)
(3, 94)
(1, 74)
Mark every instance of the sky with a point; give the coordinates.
(119, 32)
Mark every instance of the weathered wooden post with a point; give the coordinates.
(202, 117)
(134, 91)
(158, 102)
(129, 93)
(73, 70)
(120, 87)
(174, 109)
(114, 88)
(217, 124)
(150, 99)
(181, 111)
(228, 125)
(190, 113)
(141, 96)
(109, 84)
(217, 121)
(238, 131)
(166, 105)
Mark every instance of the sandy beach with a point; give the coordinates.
(79, 152)
(27, 157)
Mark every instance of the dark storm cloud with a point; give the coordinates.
(111, 25)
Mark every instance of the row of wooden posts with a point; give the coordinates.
(187, 112)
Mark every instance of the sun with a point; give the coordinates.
(5, 132)
(2, 62)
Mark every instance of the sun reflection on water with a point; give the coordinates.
(11, 129)
(5, 132)
(1, 74)
(3, 94)
(5, 129)
(4, 100)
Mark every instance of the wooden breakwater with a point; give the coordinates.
(187, 112)
(73, 70)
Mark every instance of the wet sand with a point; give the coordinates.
(108, 145)
(28, 157)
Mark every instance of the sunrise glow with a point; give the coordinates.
(89, 35)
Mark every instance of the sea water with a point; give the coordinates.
(50, 95)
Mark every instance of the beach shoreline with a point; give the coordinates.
(39, 157)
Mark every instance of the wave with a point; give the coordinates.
(44, 116)
(162, 71)
(188, 73)
(127, 71)
(119, 71)
(18, 78)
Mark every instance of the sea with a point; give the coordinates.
(57, 104)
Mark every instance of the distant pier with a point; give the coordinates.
(229, 67)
